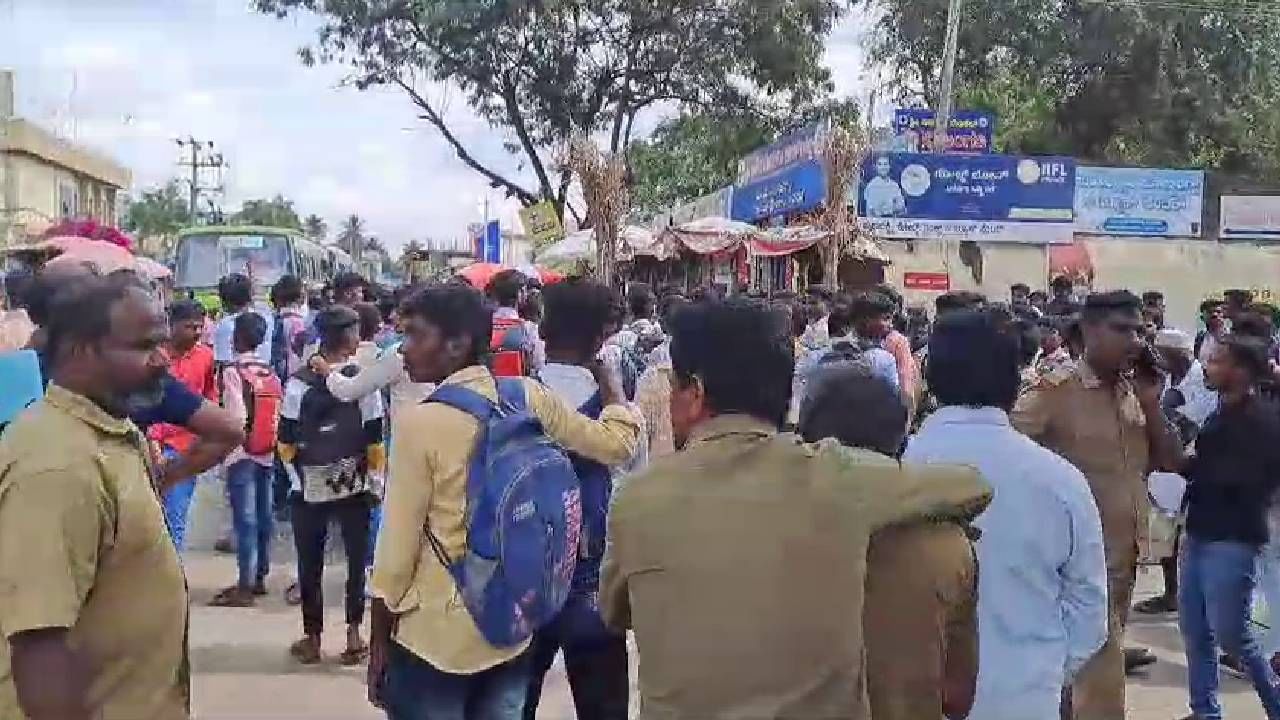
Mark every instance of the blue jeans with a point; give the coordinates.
(249, 490)
(1215, 594)
(415, 690)
(177, 502)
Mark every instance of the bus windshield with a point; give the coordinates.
(205, 259)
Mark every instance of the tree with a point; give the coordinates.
(694, 154)
(1146, 81)
(159, 212)
(315, 228)
(275, 212)
(351, 238)
(543, 72)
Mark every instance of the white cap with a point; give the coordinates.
(1174, 340)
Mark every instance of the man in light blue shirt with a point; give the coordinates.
(845, 346)
(1042, 578)
(236, 293)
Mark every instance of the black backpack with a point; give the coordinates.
(329, 430)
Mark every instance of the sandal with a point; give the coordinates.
(354, 655)
(1156, 606)
(232, 597)
(293, 595)
(306, 651)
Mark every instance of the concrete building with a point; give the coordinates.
(44, 179)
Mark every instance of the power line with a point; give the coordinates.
(202, 157)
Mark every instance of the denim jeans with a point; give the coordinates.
(416, 690)
(597, 672)
(177, 503)
(1269, 584)
(249, 490)
(1217, 580)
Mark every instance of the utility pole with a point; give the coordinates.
(202, 157)
(942, 119)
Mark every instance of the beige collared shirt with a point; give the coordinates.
(429, 462)
(1103, 432)
(83, 546)
(740, 563)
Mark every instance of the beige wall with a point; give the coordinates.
(1187, 271)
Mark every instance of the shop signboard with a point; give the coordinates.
(541, 223)
(1250, 217)
(933, 281)
(1139, 201)
(782, 178)
(714, 204)
(968, 131)
(985, 198)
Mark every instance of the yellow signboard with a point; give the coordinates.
(541, 223)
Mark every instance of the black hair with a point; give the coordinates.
(249, 331)
(17, 287)
(1029, 336)
(1253, 324)
(287, 291)
(235, 291)
(821, 292)
(459, 311)
(640, 301)
(80, 312)
(741, 351)
(1050, 323)
(1038, 295)
(1061, 282)
(973, 360)
(1020, 287)
(669, 306)
(316, 301)
(891, 293)
(47, 286)
(1209, 304)
(798, 314)
(873, 305)
(370, 319)
(1152, 297)
(505, 287)
(185, 311)
(348, 280)
(840, 320)
(958, 300)
(533, 308)
(332, 323)
(1098, 306)
(1250, 353)
(879, 423)
(1238, 297)
(578, 310)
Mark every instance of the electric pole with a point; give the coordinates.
(202, 157)
(942, 119)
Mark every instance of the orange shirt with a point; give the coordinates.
(194, 369)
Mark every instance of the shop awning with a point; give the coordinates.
(711, 235)
(786, 241)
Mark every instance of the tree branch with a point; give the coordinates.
(433, 117)
(514, 115)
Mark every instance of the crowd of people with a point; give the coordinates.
(823, 505)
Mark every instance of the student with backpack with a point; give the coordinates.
(595, 657)
(455, 607)
(252, 392)
(515, 342)
(335, 458)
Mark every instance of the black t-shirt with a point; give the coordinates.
(1235, 473)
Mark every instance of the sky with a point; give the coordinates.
(127, 77)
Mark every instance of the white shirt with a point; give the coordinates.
(1042, 575)
(576, 385)
(884, 198)
(1200, 400)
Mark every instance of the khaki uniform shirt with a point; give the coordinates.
(429, 462)
(83, 546)
(740, 563)
(922, 608)
(1102, 431)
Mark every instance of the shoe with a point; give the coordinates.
(224, 546)
(259, 588)
(1137, 658)
(1233, 666)
(1156, 606)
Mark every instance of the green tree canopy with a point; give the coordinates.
(315, 228)
(273, 212)
(1145, 82)
(351, 237)
(161, 211)
(542, 72)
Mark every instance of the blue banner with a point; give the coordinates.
(968, 132)
(492, 243)
(1139, 201)
(784, 177)
(989, 198)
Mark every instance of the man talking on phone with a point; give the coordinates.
(1103, 415)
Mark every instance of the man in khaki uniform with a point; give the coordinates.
(93, 603)
(740, 562)
(1107, 422)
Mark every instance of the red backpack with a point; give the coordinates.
(509, 346)
(263, 396)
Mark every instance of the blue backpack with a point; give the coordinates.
(524, 517)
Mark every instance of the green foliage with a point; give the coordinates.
(352, 238)
(695, 154)
(274, 212)
(1143, 82)
(159, 212)
(315, 228)
(542, 71)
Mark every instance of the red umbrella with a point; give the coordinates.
(479, 274)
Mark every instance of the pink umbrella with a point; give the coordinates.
(152, 269)
(107, 257)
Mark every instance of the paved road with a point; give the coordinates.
(242, 670)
